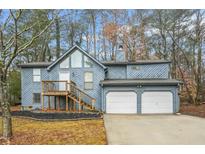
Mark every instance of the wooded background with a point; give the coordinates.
(43, 35)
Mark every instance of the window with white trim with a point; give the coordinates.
(88, 80)
(76, 59)
(36, 75)
(87, 62)
(65, 63)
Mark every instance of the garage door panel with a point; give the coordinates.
(157, 102)
(121, 102)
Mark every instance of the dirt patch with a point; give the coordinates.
(29, 132)
(194, 110)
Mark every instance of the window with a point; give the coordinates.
(65, 63)
(36, 98)
(36, 75)
(88, 78)
(76, 59)
(87, 62)
(136, 67)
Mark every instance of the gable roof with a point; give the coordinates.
(69, 51)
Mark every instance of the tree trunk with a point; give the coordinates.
(199, 61)
(6, 114)
(199, 57)
(104, 49)
(94, 33)
(58, 49)
(173, 54)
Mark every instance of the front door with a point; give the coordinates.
(64, 75)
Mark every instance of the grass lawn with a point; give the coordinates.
(27, 131)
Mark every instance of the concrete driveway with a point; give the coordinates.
(154, 129)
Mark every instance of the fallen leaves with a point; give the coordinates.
(191, 109)
(28, 131)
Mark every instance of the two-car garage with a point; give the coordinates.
(140, 96)
(126, 102)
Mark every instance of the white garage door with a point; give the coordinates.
(121, 102)
(157, 102)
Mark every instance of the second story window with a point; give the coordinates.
(88, 80)
(87, 62)
(76, 59)
(36, 75)
(65, 63)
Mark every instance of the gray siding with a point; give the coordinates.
(77, 75)
(116, 72)
(28, 87)
(147, 71)
(139, 71)
(139, 90)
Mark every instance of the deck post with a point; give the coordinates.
(79, 107)
(49, 103)
(93, 102)
(74, 106)
(42, 96)
(58, 103)
(42, 102)
(66, 85)
(66, 97)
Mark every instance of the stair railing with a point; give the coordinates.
(81, 95)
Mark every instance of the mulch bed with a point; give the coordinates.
(194, 110)
(55, 116)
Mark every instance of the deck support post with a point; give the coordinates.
(79, 107)
(42, 96)
(66, 97)
(58, 103)
(74, 106)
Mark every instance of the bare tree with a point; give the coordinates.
(10, 49)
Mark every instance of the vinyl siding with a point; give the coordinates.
(148, 71)
(28, 87)
(116, 72)
(77, 75)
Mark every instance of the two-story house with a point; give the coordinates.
(77, 81)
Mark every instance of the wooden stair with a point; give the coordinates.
(83, 104)
(72, 92)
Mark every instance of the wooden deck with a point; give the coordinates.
(72, 94)
(55, 93)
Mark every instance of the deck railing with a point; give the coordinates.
(68, 87)
(54, 85)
